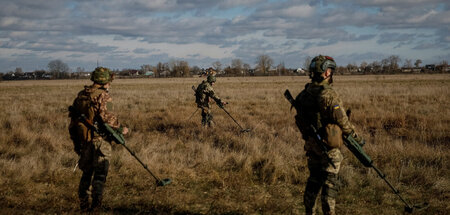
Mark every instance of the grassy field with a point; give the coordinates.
(404, 119)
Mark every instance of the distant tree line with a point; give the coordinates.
(264, 66)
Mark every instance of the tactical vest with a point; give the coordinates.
(84, 104)
(309, 114)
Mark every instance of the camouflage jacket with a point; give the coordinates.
(325, 107)
(101, 103)
(204, 94)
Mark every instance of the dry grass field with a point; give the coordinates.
(404, 119)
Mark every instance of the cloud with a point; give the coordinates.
(199, 30)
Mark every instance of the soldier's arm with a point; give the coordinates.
(106, 115)
(336, 112)
(210, 92)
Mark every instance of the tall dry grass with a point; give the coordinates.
(405, 120)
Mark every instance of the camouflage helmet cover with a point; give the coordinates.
(102, 75)
(320, 64)
(211, 78)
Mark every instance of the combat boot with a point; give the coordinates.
(96, 203)
(84, 204)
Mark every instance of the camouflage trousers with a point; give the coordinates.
(322, 176)
(94, 162)
(207, 118)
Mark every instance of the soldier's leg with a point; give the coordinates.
(330, 189)
(83, 188)
(204, 117)
(85, 163)
(314, 183)
(103, 154)
(210, 119)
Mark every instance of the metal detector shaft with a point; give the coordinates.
(144, 165)
(397, 192)
(193, 114)
(232, 118)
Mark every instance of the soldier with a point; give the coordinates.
(203, 95)
(321, 112)
(95, 103)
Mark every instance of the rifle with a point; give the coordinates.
(312, 129)
(108, 132)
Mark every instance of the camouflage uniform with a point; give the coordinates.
(204, 94)
(322, 107)
(94, 151)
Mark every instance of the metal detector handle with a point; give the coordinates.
(142, 163)
(223, 108)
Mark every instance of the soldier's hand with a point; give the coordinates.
(125, 131)
(220, 104)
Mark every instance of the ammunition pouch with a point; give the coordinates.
(333, 136)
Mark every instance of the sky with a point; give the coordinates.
(122, 34)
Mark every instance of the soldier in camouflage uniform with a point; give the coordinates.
(203, 95)
(95, 152)
(321, 107)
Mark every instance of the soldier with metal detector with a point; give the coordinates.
(322, 121)
(92, 129)
(325, 126)
(94, 103)
(204, 93)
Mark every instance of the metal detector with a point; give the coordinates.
(159, 182)
(242, 129)
(110, 133)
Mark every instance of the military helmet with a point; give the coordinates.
(211, 78)
(101, 75)
(320, 64)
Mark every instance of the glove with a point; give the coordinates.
(221, 104)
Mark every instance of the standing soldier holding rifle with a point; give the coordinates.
(93, 104)
(322, 121)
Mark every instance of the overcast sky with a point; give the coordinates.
(129, 33)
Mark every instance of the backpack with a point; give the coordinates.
(307, 112)
(199, 97)
(83, 104)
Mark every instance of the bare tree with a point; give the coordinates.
(264, 63)
(307, 62)
(408, 63)
(58, 69)
(236, 66)
(217, 66)
(246, 68)
(183, 66)
(281, 69)
(363, 65)
(18, 71)
(393, 62)
(145, 68)
(418, 62)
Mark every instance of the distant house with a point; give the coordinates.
(411, 70)
(29, 75)
(133, 72)
(164, 73)
(149, 73)
(300, 71)
(430, 67)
